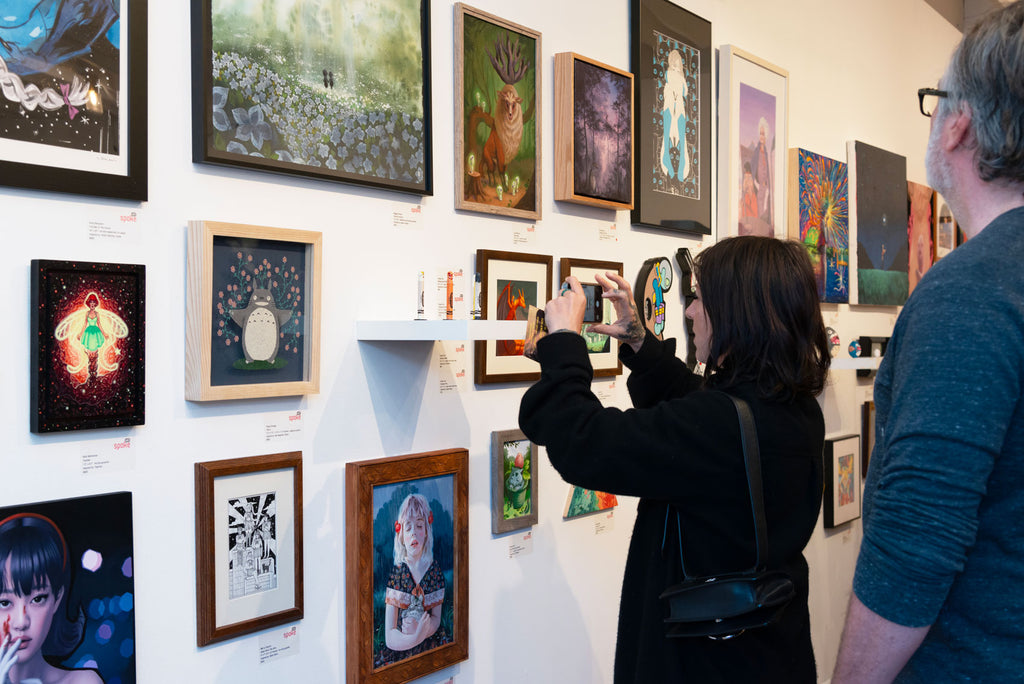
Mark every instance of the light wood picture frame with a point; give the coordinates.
(514, 469)
(385, 498)
(253, 311)
(603, 349)
(842, 480)
(248, 545)
(497, 159)
(593, 133)
(510, 282)
(753, 111)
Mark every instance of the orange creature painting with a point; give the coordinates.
(512, 306)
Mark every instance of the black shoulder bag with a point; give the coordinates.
(725, 605)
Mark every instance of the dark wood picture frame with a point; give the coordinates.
(88, 108)
(499, 490)
(380, 147)
(361, 477)
(78, 346)
(214, 506)
(842, 480)
(605, 364)
(497, 360)
(666, 39)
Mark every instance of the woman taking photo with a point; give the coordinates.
(758, 328)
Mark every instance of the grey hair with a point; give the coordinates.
(987, 72)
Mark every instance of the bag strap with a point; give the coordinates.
(752, 465)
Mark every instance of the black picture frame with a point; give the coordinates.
(94, 388)
(669, 193)
(386, 148)
(81, 111)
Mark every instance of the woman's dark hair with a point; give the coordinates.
(33, 549)
(761, 300)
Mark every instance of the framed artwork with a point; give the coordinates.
(73, 106)
(248, 545)
(510, 282)
(582, 502)
(593, 133)
(867, 423)
(919, 232)
(819, 218)
(946, 235)
(842, 480)
(670, 56)
(253, 312)
(652, 282)
(513, 481)
(85, 544)
(603, 350)
(754, 95)
(497, 115)
(88, 353)
(879, 213)
(406, 565)
(322, 92)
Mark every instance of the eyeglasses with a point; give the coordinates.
(928, 99)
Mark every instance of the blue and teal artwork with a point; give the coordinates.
(675, 118)
(824, 223)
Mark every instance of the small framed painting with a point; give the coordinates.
(593, 133)
(406, 565)
(81, 552)
(920, 226)
(582, 502)
(945, 235)
(331, 92)
(497, 115)
(88, 352)
(842, 480)
(73, 106)
(510, 283)
(603, 350)
(671, 55)
(248, 545)
(753, 105)
(513, 481)
(253, 312)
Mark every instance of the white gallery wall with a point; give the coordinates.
(549, 614)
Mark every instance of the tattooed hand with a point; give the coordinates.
(629, 326)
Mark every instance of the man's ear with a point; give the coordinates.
(958, 125)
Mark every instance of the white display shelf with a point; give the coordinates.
(429, 331)
(849, 363)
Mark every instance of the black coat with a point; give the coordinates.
(681, 446)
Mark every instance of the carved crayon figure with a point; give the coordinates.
(261, 323)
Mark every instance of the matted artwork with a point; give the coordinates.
(819, 218)
(336, 91)
(513, 481)
(582, 502)
(670, 56)
(946, 234)
(70, 606)
(253, 319)
(88, 349)
(652, 282)
(510, 283)
(754, 95)
(879, 181)
(842, 480)
(248, 545)
(407, 565)
(603, 349)
(497, 115)
(919, 231)
(593, 133)
(73, 103)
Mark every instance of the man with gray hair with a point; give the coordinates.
(939, 586)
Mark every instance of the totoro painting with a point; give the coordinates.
(259, 301)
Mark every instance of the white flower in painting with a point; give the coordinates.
(251, 125)
(235, 147)
(220, 117)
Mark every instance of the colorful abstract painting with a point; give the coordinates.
(757, 161)
(919, 231)
(882, 247)
(84, 545)
(822, 221)
(586, 501)
(602, 131)
(88, 362)
(333, 89)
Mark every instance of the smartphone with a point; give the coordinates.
(594, 312)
